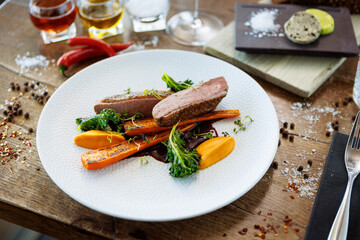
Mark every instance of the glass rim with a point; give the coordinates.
(33, 13)
(49, 8)
(101, 3)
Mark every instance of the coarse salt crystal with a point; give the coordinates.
(263, 23)
(26, 62)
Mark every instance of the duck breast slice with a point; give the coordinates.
(190, 103)
(132, 103)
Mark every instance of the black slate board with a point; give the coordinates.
(331, 191)
(340, 43)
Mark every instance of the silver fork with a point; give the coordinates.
(339, 228)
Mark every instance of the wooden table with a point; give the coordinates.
(28, 196)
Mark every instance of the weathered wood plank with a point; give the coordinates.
(28, 197)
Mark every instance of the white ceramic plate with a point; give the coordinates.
(131, 189)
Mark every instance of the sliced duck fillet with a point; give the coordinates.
(190, 103)
(132, 103)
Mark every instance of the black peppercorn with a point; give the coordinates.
(285, 134)
(31, 130)
(27, 115)
(336, 104)
(5, 112)
(291, 138)
(26, 84)
(309, 162)
(20, 111)
(282, 130)
(306, 176)
(336, 127)
(9, 107)
(18, 88)
(300, 168)
(275, 165)
(285, 124)
(32, 86)
(45, 94)
(328, 134)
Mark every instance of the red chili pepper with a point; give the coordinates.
(79, 54)
(91, 42)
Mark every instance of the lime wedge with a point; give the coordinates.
(325, 19)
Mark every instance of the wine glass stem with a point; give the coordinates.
(196, 10)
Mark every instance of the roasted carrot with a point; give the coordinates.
(103, 157)
(148, 125)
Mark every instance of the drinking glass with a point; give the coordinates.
(102, 17)
(54, 18)
(193, 28)
(147, 15)
(356, 89)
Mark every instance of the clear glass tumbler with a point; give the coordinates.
(356, 90)
(55, 19)
(102, 17)
(147, 15)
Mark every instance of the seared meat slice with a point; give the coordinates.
(190, 103)
(132, 103)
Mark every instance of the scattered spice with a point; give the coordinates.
(275, 165)
(285, 124)
(292, 197)
(310, 162)
(291, 138)
(285, 134)
(292, 126)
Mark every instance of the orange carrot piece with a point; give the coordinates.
(148, 125)
(103, 157)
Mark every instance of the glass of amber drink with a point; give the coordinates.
(54, 18)
(102, 17)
